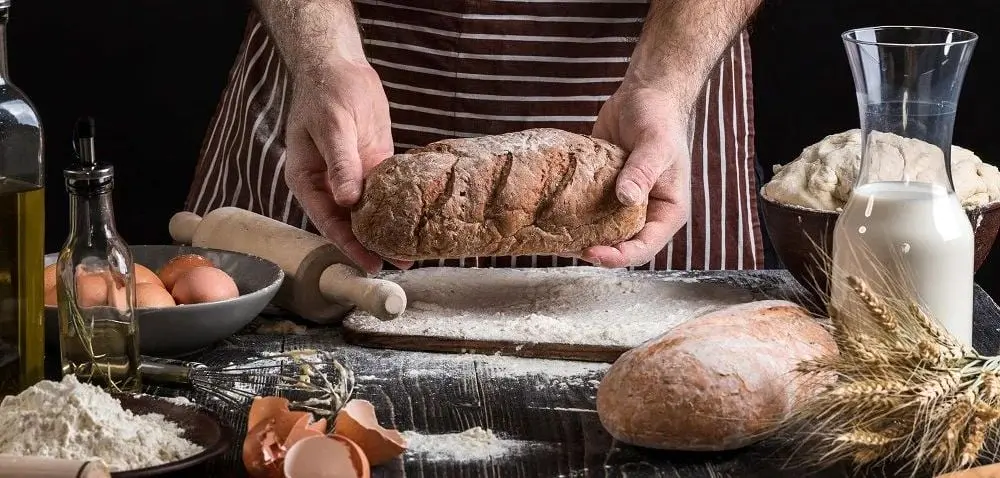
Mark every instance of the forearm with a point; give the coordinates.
(682, 41)
(311, 34)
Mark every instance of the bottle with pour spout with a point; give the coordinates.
(903, 231)
(98, 332)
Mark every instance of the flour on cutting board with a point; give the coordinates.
(569, 305)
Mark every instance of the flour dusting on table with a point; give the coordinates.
(474, 444)
(568, 305)
(78, 421)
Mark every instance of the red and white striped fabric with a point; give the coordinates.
(465, 68)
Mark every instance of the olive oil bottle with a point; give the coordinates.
(22, 226)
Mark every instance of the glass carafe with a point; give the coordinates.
(903, 231)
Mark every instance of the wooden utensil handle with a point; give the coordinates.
(985, 471)
(381, 298)
(41, 467)
(183, 226)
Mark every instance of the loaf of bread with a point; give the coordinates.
(538, 191)
(716, 382)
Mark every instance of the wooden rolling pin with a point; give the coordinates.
(40, 467)
(985, 471)
(321, 284)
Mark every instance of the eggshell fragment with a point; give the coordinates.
(204, 284)
(152, 296)
(263, 453)
(265, 408)
(176, 267)
(326, 457)
(357, 422)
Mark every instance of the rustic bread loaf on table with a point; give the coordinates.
(538, 191)
(716, 382)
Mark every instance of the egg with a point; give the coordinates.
(357, 422)
(92, 289)
(176, 267)
(51, 296)
(326, 457)
(49, 276)
(152, 296)
(204, 284)
(144, 275)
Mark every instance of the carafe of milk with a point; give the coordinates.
(903, 231)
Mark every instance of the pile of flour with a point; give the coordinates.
(76, 421)
(566, 305)
(474, 444)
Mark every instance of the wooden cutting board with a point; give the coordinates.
(574, 313)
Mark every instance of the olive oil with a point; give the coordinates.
(22, 321)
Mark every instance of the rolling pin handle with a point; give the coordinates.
(183, 226)
(384, 299)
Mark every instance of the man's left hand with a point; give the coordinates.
(652, 126)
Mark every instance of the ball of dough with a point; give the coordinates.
(824, 173)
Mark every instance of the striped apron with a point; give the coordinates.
(464, 68)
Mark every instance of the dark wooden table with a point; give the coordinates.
(548, 405)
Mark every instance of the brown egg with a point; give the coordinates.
(51, 296)
(177, 266)
(152, 296)
(49, 274)
(143, 275)
(92, 290)
(204, 284)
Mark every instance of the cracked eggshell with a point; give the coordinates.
(357, 422)
(326, 457)
(262, 451)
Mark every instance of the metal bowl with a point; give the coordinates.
(796, 233)
(185, 329)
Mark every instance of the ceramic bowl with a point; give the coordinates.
(185, 329)
(796, 233)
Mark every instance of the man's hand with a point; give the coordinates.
(338, 129)
(654, 129)
(338, 122)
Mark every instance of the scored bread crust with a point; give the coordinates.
(537, 191)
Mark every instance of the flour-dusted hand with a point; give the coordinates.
(653, 128)
(338, 129)
(338, 120)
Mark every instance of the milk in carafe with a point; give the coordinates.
(912, 237)
(903, 232)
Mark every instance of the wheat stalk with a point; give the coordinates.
(906, 391)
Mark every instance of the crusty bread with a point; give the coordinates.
(716, 382)
(538, 191)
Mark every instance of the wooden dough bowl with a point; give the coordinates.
(796, 233)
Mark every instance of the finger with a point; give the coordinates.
(401, 265)
(642, 170)
(338, 144)
(309, 188)
(664, 219)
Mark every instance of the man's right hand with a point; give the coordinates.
(338, 130)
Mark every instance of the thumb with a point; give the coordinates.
(339, 147)
(642, 169)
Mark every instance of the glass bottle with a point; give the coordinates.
(98, 334)
(903, 231)
(22, 230)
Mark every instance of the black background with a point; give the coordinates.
(151, 72)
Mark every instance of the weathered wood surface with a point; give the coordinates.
(550, 404)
